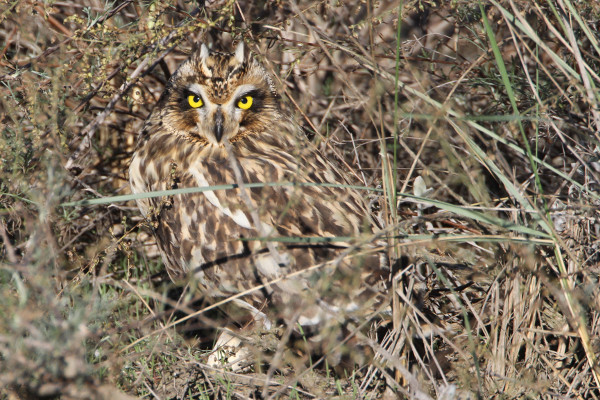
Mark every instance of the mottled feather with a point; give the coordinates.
(202, 235)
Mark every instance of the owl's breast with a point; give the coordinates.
(218, 235)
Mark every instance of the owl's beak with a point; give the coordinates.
(218, 127)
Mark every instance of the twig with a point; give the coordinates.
(364, 179)
(10, 251)
(52, 49)
(91, 128)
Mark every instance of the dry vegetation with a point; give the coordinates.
(486, 116)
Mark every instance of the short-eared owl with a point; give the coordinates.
(220, 121)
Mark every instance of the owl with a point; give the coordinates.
(292, 250)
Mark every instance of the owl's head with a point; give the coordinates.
(215, 97)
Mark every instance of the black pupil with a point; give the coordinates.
(244, 100)
(196, 99)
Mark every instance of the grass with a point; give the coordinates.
(473, 125)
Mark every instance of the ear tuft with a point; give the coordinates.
(239, 52)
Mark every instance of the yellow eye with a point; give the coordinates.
(195, 101)
(245, 102)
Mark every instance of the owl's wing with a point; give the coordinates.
(336, 285)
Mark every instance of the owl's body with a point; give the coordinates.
(219, 121)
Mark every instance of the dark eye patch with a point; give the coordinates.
(255, 93)
(257, 97)
(184, 102)
(253, 113)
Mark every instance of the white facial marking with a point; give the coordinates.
(229, 108)
(199, 90)
(242, 89)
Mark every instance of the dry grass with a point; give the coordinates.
(491, 124)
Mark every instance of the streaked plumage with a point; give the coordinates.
(220, 142)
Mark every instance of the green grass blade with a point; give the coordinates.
(173, 192)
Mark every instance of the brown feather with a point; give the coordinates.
(200, 234)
